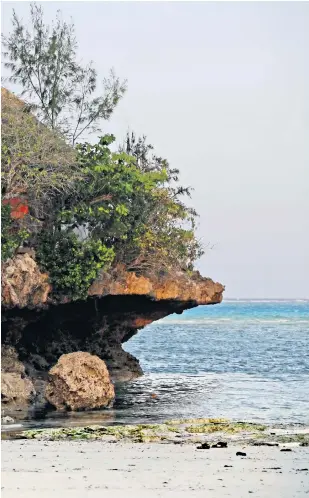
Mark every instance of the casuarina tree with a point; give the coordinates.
(42, 59)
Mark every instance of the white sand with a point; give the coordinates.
(38, 469)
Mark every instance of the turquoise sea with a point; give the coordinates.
(242, 359)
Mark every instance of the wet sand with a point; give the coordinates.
(82, 469)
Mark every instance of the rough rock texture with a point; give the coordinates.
(177, 287)
(16, 388)
(41, 328)
(79, 381)
(22, 283)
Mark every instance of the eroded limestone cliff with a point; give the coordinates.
(39, 327)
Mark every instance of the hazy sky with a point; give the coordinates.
(221, 91)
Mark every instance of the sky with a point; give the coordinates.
(221, 89)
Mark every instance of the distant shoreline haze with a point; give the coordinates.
(265, 299)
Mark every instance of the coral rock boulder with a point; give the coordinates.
(79, 381)
(16, 388)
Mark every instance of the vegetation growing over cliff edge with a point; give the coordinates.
(82, 206)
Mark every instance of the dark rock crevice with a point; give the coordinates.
(98, 325)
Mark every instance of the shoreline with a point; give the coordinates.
(178, 431)
(190, 458)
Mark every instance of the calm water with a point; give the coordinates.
(241, 360)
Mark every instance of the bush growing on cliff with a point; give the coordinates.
(72, 264)
(113, 194)
(135, 210)
(169, 239)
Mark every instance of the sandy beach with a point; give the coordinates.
(80, 469)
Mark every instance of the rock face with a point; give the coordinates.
(41, 328)
(177, 287)
(17, 390)
(79, 381)
(22, 283)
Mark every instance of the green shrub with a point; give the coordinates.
(72, 264)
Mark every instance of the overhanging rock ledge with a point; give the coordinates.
(40, 327)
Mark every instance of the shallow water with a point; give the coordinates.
(241, 360)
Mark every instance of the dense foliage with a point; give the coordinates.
(72, 264)
(87, 207)
(169, 239)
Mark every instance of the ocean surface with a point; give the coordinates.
(243, 360)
